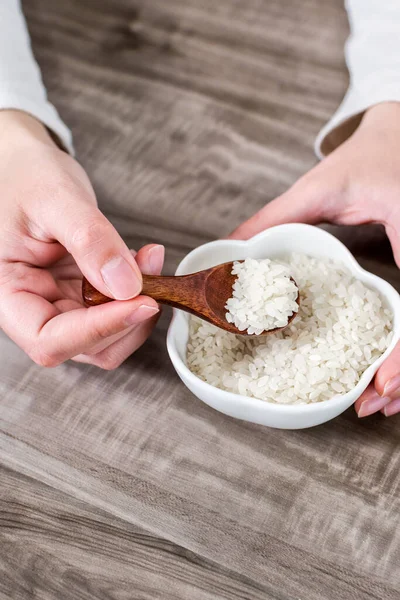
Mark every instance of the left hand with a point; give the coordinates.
(358, 183)
(52, 232)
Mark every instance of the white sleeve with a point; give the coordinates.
(373, 59)
(21, 85)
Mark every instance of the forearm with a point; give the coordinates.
(21, 85)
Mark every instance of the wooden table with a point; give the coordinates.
(189, 115)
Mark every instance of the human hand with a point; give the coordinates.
(51, 232)
(358, 183)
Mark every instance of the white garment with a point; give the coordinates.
(373, 59)
(372, 55)
(21, 85)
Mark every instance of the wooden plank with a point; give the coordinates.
(55, 547)
(188, 117)
(175, 110)
(296, 511)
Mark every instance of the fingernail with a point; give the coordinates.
(372, 405)
(142, 313)
(156, 258)
(121, 279)
(392, 387)
(392, 408)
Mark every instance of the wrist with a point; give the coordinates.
(18, 128)
(383, 115)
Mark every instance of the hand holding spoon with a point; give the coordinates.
(203, 294)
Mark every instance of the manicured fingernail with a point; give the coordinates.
(372, 405)
(392, 387)
(142, 313)
(156, 258)
(392, 408)
(121, 279)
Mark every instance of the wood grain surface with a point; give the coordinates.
(189, 115)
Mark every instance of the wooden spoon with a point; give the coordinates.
(203, 294)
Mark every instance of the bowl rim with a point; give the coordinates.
(387, 292)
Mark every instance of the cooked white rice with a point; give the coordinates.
(342, 327)
(263, 296)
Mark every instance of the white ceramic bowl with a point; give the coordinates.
(272, 243)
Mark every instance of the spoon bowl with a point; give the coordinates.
(203, 294)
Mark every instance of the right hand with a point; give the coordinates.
(52, 232)
(358, 183)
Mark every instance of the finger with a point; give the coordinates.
(387, 379)
(117, 353)
(393, 408)
(370, 402)
(42, 254)
(96, 246)
(51, 337)
(392, 231)
(110, 341)
(150, 259)
(301, 204)
(68, 304)
(66, 260)
(17, 277)
(66, 272)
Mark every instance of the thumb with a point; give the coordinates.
(300, 204)
(387, 379)
(96, 246)
(393, 232)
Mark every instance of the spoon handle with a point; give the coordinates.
(91, 296)
(185, 292)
